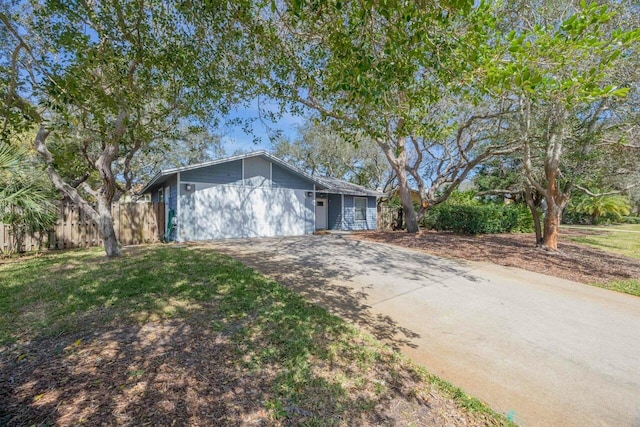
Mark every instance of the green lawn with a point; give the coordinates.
(616, 239)
(315, 369)
(619, 240)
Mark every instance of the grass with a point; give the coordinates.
(319, 362)
(617, 240)
(632, 227)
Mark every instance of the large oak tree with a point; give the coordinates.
(104, 80)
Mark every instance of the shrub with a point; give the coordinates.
(479, 219)
(524, 219)
(631, 219)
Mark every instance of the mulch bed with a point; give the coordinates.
(574, 261)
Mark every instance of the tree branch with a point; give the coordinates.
(606, 193)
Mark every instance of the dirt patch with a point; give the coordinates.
(574, 261)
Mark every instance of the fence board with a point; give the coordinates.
(134, 223)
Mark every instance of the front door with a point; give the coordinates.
(321, 214)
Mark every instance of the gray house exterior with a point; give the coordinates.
(257, 195)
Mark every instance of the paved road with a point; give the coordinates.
(548, 351)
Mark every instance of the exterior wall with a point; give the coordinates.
(187, 225)
(257, 172)
(224, 173)
(227, 211)
(350, 223)
(310, 206)
(286, 179)
(154, 195)
(335, 212)
(173, 194)
(172, 204)
(171, 182)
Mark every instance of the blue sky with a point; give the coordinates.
(236, 139)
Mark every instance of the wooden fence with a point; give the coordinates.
(134, 223)
(388, 217)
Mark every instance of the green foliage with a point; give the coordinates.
(115, 79)
(598, 208)
(567, 63)
(523, 218)
(463, 198)
(473, 217)
(26, 196)
(630, 219)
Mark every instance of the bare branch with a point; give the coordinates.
(606, 193)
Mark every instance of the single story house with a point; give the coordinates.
(257, 195)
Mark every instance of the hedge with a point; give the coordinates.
(631, 219)
(480, 219)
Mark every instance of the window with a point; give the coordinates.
(361, 208)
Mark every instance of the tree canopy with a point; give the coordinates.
(440, 88)
(321, 150)
(104, 81)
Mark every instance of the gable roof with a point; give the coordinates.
(329, 185)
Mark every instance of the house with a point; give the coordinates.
(257, 195)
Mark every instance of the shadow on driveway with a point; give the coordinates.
(339, 274)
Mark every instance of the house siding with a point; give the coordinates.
(154, 195)
(286, 179)
(350, 223)
(188, 222)
(335, 212)
(224, 173)
(310, 221)
(257, 172)
(172, 183)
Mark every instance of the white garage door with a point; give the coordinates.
(225, 211)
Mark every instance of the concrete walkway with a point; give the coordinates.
(546, 351)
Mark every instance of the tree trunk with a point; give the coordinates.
(108, 233)
(551, 228)
(397, 157)
(410, 216)
(556, 201)
(555, 197)
(399, 220)
(534, 214)
(102, 215)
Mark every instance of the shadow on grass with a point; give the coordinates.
(165, 336)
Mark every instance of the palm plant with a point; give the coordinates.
(615, 205)
(26, 198)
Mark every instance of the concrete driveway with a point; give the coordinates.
(545, 351)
